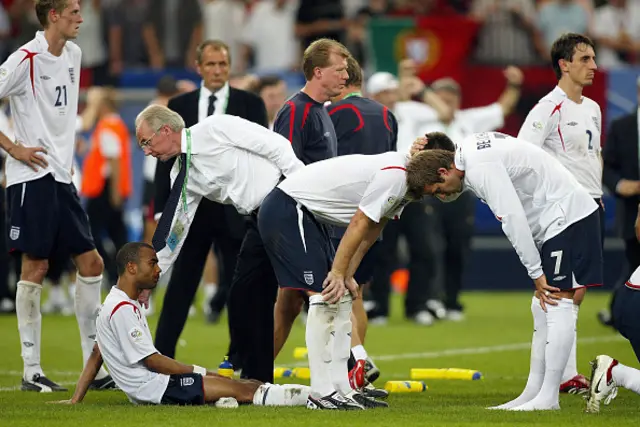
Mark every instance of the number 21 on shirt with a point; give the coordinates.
(61, 96)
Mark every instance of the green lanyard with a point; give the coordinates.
(186, 172)
(353, 94)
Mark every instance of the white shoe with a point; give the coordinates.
(378, 321)
(192, 311)
(603, 388)
(437, 308)
(209, 293)
(455, 315)
(424, 318)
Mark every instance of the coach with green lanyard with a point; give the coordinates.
(217, 225)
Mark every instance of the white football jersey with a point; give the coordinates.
(124, 340)
(527, 189)
(571, 133)
(43, 93)
(334, 189)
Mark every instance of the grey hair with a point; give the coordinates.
(157, 116)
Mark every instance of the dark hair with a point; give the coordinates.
(564, 47)
(355, 73)
(216, 45)
(167, 86)
(268, 81)
(130, 252)
(439, 141)
(43, 7)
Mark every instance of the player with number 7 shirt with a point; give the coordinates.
(552, 223)
(567, 125)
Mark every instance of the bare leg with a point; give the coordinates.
(288, 307)
(216, 387)
(359, 320)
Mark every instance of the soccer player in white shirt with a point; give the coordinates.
(567, 125)
(360, 191)
(45, 217)
(552, 223)
(125, 345)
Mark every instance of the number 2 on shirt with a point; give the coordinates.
(590, 139)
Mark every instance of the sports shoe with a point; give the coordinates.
(366, 402)
(371, 371)
(356, 375)
(436, 308)
(334, 401)
(105, 383)
(576, 385)
(424, 318)
(376, 393)
(602, 388)
(41, 384)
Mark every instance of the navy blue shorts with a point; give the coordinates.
(575, 253)
(184, 389)
(626, 315)
(45, 219)
(298, 246)
(364, 273)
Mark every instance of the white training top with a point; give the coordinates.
(43, 92)
(233, 161)
(334, 189)
(527, 189)
(124, 340)
(571, 133)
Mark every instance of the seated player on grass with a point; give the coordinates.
(124, 342)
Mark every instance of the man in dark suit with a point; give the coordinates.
(215, 223)
(621, 175)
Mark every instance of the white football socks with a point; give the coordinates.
(537, 365)
(359, 353)
(87, 304)
(281, 395)
(340, 350)
(571, 370)
(561, 324)
(626, 377)
(318, 333)
(29, 326)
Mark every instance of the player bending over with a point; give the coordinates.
(124, 342)
(552, 223)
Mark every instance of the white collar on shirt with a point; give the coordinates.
(563, 93)
(221, 93)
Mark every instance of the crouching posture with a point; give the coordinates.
(124, 343)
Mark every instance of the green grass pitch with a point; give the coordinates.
(494, 340)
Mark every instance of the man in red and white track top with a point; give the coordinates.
(44, 215)
(567, 125)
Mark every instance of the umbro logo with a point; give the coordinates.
(572, 124)
(45, 77)
(558, 278)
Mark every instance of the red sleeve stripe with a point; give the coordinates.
(29, 56)
(122, 304)
(394, 167)
(558, 109)
(292, 119)
(632, 286)
(355, 110)
(307, 107)
(385, 117)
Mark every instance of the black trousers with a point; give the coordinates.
(106, 218)
(413, 225)
(5, 292)
(211, 224)
(453, 222)
(250, 306)
(632, 254)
